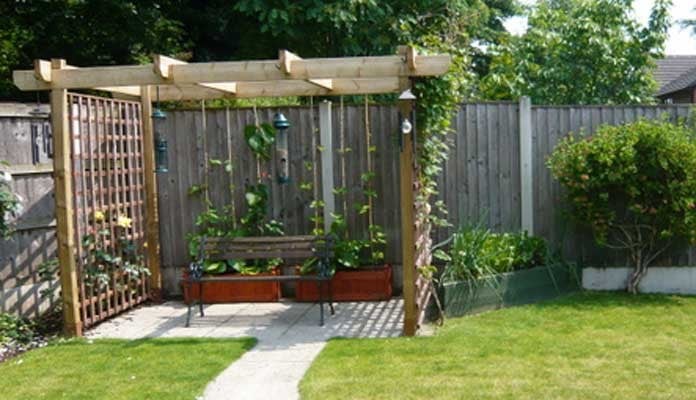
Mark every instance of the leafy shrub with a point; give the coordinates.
(15, 329)
(476, 252)
(9, 203)
(634, 185)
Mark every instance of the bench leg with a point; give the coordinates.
(200, 299)
(331, 306)
(321, 304)
(189, 304)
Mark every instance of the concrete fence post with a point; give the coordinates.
(526, 165)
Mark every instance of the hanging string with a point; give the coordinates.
(315, 174)
(368, 182)
(206, 168)
(258, 126)
(343, 157)
(230, 169)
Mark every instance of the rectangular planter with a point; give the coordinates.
(363, 284)
(235, 291)
(509, 289)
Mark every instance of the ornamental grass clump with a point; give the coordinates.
(634, 185)
(476, 252)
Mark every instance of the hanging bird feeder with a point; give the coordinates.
(282, 124)
(161, 156)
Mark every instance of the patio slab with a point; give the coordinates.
(288, 333)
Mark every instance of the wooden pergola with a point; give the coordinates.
(173, 79)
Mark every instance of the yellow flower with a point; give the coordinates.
(99, 216)
(123, 221)
(145, 245)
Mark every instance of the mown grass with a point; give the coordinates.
(119, 369)
(583, 346)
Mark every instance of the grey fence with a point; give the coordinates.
(482, 180)
(25, 144)
(289, 203)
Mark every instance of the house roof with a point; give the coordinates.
(675, 73)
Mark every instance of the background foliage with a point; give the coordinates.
(89, 32)
(580, 52)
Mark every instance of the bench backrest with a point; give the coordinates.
(254, 248)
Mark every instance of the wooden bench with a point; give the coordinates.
(263, 248)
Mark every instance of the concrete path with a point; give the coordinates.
(288, 333)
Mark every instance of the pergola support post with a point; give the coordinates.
(151, 209)
(407, 205)
(65, 229)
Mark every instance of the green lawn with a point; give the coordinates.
(584, 346)
(118, 369)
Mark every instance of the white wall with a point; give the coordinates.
(676, 280)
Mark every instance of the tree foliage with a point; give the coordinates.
(635, 185)
(103, 32)
(580, 52)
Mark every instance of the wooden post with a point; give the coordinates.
(65, 229)
(151, 210)
(408, 245)
(526, 166)
(327, 178)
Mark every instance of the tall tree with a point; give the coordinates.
(89, 32)
(85, 32)
(580, 52)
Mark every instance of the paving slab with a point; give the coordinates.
(288, 333)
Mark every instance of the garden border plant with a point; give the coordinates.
(486, 270)
(634, 185)
(9, 203)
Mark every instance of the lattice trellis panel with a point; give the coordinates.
(109, 204)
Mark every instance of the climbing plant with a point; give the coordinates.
(438, 100)
(9, 204)
(223, 222)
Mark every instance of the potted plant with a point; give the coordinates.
(360, 273)
(223, 223)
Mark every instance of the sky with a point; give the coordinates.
(680, 41)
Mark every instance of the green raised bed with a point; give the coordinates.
(509, 289)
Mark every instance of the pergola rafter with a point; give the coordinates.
(172, 79)
(290, 75)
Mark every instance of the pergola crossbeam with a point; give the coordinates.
(163, 66)
(283, 88)
(286, 58)
(44, 72)
(293, 75)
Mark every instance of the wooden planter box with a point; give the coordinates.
(234, 291)
(509, 289)
(364, 284)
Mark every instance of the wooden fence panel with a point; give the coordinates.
(26, 145)
(480, 182)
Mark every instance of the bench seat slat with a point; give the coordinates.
(260, 246)
(275, 278)
(266, 239)
(261, 255)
